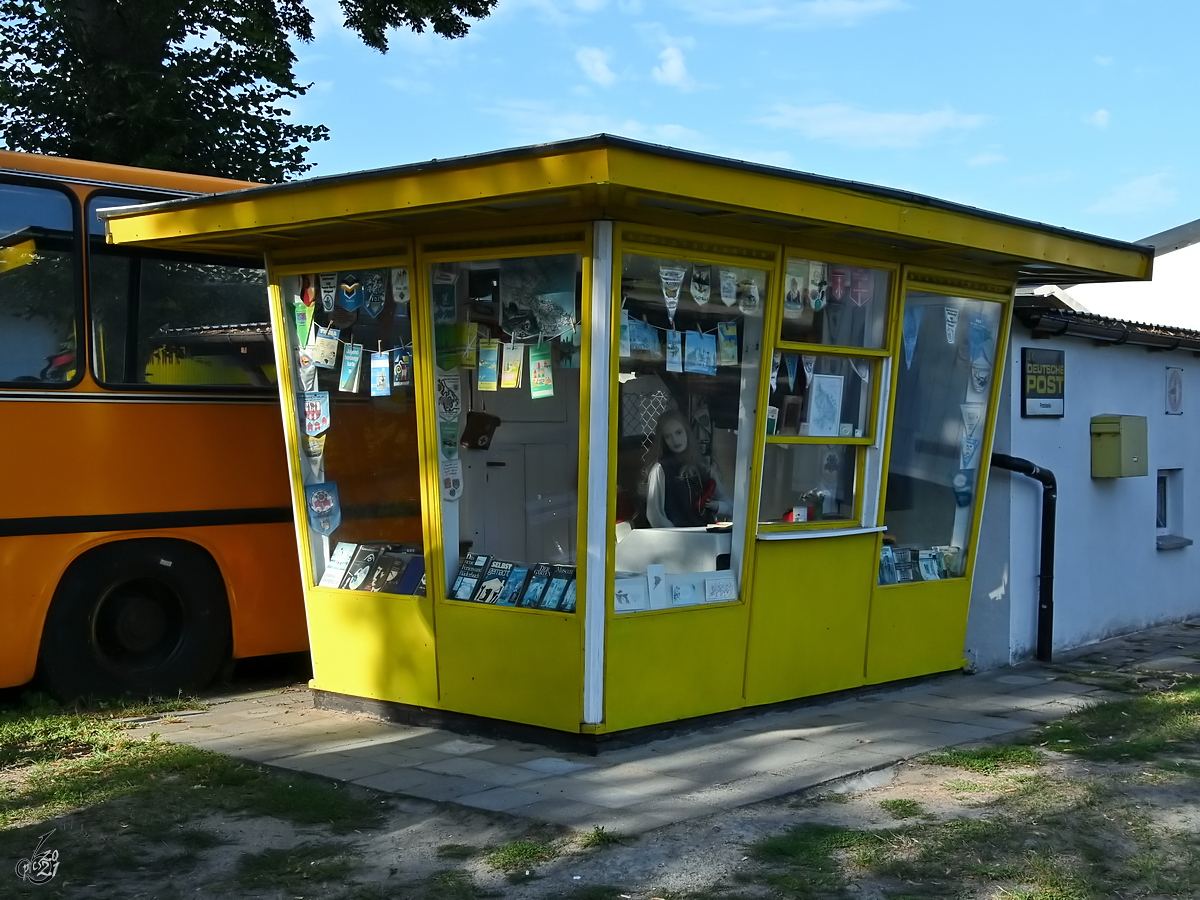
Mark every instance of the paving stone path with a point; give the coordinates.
(761, 756)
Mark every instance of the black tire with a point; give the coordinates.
(141, 617)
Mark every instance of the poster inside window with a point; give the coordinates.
(943, 391)
(689, 339)
(350, 335)
(507, 335)
(835, 304)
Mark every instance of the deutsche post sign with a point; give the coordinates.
(1044, 375)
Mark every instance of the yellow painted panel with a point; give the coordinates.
(808, 616)
(505, 663)
(674, 665)
(917, 629)
(373, 645)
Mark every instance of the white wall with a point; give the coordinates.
(1171, 298)
(1109, 576)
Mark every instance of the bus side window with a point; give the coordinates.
(38, 296)
(170, 320)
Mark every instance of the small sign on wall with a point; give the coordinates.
(1174, 391)
(1044, 376)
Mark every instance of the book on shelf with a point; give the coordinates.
(568, 601)
(469, 572)
(493, 580)
(335, 569)
(412, 581)
(358, 573)
(539, 578)
(389, 571)
(513, 586)
(556, 587)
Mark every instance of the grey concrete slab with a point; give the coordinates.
(446, 787)
(396, 781)
(499, 799)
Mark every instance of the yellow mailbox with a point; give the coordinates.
(1119, 446)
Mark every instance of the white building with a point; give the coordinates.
(1124, 559)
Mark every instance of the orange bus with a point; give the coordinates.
(146, 536)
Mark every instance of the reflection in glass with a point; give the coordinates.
(37, 287)
(834, 304)
(947, 363)
(688, 348)
(808, 483)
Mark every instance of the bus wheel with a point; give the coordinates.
(144, 617)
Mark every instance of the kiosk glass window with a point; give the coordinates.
(689, 348)
(834, 304)
(943, 392)
(507, 336)
(350, 341)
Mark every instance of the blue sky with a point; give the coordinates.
(1080, 113)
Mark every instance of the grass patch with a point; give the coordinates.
(805, 858)
(456, 851)
(899, 808)
(1134, 728)
(597, 892)
(295, 868)
(517, 855)
(987, 760)
(599, 837)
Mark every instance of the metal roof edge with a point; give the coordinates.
(1048, 321)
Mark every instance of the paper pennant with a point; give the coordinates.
(728, 287)
(862, 369)
(810, 365)
(448, 438)
(328, 283)
(452, 479)
(748, 297)
(313, 447)
(308, 293)
(862, 286)
(911, 329)
(449, 396)
(374, 286)
(316, 412)
(818, 282)
(672, 286)
(775, 361)
(970, 453)
(839, 282)
(399, 281)
(792, 363)
(795, 289)
(972, 415)
(626, 349)
(306, 371)
(303, 324)
(350, 292)
(701, 285)
(324, 510)
(951, 315)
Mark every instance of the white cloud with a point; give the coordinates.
(791, 13)
(1102, 60)
(1099, 118)
(594, 63)
(1145, 194)
(986, 159)
(672, 69)
(835, 123)
(544, 122)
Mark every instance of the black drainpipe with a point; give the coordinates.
(1045, 621)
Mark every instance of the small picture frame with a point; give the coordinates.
(792, 408)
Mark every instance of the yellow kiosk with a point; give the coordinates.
(598, 435)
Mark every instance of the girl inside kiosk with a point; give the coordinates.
(682, 491)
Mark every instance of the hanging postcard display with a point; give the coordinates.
(351, 369)
(700, 355)
(380, 370)
(514, 359)
(541, 373)
(401, 367)
(727, 337)
(324, 351)
(488, 378)
(625, 348)
(674, 351)
(537, 297)
(324, 510)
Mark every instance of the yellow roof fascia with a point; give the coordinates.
(764, 192)
(390, 193)
(735, 188)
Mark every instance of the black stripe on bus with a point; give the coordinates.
(196, 518)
